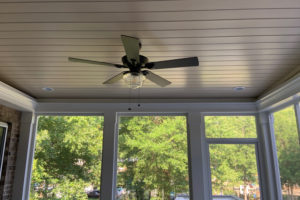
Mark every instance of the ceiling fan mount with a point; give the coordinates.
(133, 65)
(136, 63)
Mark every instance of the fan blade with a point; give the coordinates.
(183, 62)
(115, 78)
(132, 48)
(94, 62)
(156, 79)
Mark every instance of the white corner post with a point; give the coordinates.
(297, 113)
(109, 156)
(199, 178)
(268, 158)
(21, 185)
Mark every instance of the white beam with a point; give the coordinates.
(297, 113)
(16, 99)
(21, 186)
(287, 93)
(88, 107)
(271, 187)
(198, 155)
(109, 157)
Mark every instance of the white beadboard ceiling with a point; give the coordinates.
(239, 43)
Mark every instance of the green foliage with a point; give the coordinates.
(230, 127)
(71, 190)
(288, 148)
(231, 165)
(67, 157)
(154, 151)
(153, 155)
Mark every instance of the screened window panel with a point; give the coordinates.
(288, 152)
(152, 158)
(230, 127)
(234, 171)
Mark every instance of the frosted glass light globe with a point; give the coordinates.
(134, 81)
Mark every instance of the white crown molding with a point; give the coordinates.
(16, 99)
(96, 108)
(285, 94)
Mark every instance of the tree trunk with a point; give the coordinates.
(45, 190)
(245, 192)
(289, 192)
(139, 194)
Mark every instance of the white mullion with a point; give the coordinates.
(199, 176)
(109, 156)
(297, 113)
(206, 155)
(269, 162)
(259, 170)
(260, 160)
(133, 114)
(228, 113)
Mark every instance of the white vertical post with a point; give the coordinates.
(297, 113)
(268, 158)
(109, 156)
(25, 153)
(199, 177)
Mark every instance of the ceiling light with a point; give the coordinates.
(239, 88)
(134, 80)
(48, 89)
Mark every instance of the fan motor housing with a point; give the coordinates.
(133, 66)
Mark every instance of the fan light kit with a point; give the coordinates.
(136, 64)
(134, 81)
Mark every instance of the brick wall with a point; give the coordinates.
(12, 117)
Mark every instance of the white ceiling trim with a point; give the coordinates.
(16, 99)
(285, 94)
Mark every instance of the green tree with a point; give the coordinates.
(231, 165)
(154, 152)
(67, 156)
(288, 149)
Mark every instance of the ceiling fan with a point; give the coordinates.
(138, 65)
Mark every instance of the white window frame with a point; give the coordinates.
(225, 141)
(31, 128)
(130, 114)
(295, 103)
(198, 169)
(297, 113)
(2, 144)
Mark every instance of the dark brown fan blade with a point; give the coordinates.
(115, 78)
(94, 62)
(183, 62)
(156, 79)
(132, 48)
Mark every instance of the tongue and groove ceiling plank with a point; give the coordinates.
(238, 43)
